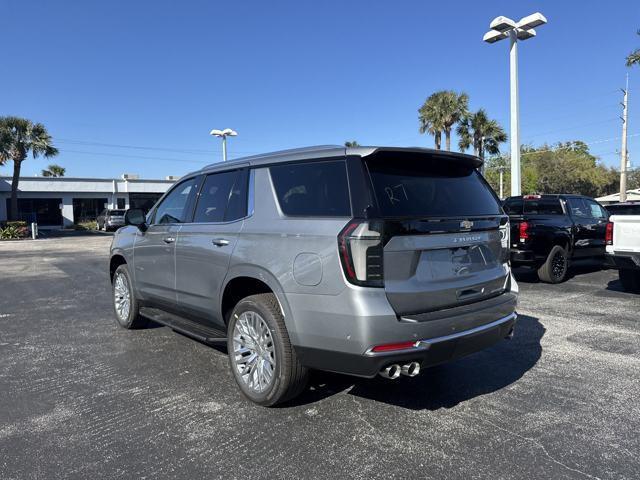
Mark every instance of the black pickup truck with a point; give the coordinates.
(549, 231)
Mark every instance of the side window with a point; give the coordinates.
(222, 198)
(578, 208)
(596, 210)
(173, 209)
(316, 189)
(238, 198)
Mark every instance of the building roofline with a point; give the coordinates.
(89, 179)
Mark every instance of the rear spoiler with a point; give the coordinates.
(460, 158)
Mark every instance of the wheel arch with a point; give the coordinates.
(115, 261)
(244, 280)
(563, 240)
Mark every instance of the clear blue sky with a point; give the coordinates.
(161, 74)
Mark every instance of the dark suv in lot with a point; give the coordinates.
(362, 261)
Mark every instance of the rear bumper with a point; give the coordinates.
(336, 333)
(524, 257)
(428, 352)
(623, 261)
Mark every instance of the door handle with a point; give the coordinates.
(220, 242)
(169, 239)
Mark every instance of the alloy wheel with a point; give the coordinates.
(122, 297)
(558, 265)
(254, 351)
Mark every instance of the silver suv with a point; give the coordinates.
(363, 261)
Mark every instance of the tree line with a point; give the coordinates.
(565, 167)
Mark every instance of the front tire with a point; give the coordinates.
(262, 359)
(630, 280)
(554, 269)
(125, 304)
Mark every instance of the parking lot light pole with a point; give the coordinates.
(227, 132)
(501, 28)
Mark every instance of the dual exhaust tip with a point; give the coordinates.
(395, 370)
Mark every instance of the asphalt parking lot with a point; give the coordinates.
(82, 398)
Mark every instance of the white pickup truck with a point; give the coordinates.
(623, 249)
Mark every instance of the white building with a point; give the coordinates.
(632, 196)
(63, 201)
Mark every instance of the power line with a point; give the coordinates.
(595, 142)
(140, 147)
(201, 162)
(572, 127)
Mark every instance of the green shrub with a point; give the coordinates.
(89, 225)
(11, 232)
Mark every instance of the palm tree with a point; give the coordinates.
(440, 112)
(430, 117)
(54, 170)
(454, 108)
(484, 134)
(634, 57)
(351, 143)
(20, 137)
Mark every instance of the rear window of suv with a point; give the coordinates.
(429, 187)
(533, 206)
(314, 189)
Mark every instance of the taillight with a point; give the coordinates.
(505, 241)
(361, 252)
(523, 230)
(608, 236)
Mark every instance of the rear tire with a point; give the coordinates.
(630, 280)
(125, 304)
(554, 269)
(262, 359)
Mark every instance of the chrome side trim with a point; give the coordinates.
(425, 344)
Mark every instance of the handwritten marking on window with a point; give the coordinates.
(395, 193)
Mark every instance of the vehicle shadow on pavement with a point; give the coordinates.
(616, 286)
(443, 386)
(530, 275)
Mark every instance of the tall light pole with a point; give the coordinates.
(227, 132)
(501, 28)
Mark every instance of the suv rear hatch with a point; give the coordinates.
(444, 234)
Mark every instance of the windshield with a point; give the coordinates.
(420, 186)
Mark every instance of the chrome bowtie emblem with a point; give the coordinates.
(466, 225)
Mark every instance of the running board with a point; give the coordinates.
(187, 327)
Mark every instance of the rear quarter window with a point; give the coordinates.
(420, 186)
(314, 189)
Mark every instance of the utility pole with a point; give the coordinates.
(624, 153)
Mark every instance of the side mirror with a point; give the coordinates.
(135, 217)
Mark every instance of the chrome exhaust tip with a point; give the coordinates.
(392, 371)
(411, 369)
